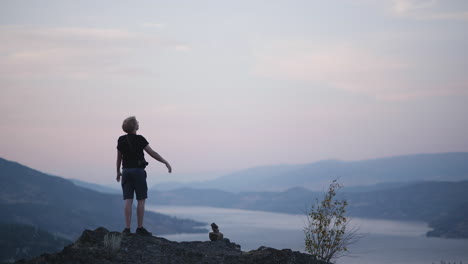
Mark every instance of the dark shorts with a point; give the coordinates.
(134, 181)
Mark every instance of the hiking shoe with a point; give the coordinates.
(143, 232)
(126, 231)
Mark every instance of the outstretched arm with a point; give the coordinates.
(119, 164)
(157, 157)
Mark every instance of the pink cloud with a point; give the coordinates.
(76, 53)
(426, 10)
(352, 68)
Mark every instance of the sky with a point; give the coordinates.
(220, 86)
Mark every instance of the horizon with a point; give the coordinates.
(220, 87)
(152, 182)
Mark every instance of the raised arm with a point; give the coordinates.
(157, 157)
(119, 164)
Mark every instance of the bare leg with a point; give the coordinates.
(140, 212)
(128, 212)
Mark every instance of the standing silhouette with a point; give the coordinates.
(131, 158)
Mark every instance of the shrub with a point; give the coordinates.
(326, 235)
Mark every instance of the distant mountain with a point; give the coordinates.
(60, 207)
(295, 201)
(314, 176)
(454, 223)
(96, 187)
(377, 187)
(23, 242)
(442, 204)
(418, 201)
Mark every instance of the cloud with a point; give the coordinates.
(182, 47)
(342, 66)
(77, 52)
(153, 25)
(428, 10)
(463, 16)
(357, 69)
(405, 6)
(457, 90)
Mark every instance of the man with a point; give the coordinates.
(131, 158)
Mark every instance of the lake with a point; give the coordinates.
(384, 241)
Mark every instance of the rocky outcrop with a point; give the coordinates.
(102, 246)
(215, 235)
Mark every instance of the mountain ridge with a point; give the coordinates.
(449, 166)
(58, 206)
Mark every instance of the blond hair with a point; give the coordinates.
(130, 124)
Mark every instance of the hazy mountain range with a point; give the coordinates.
(426, 187)
(315, 176)
(96, 187)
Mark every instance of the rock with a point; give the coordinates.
(94, 247)
(215, 235)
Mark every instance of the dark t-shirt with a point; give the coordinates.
(132, 154)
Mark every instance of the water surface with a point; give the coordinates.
(384, 241)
